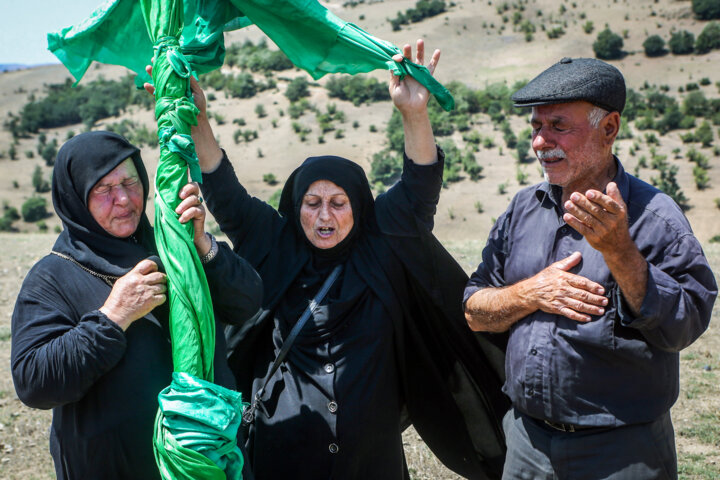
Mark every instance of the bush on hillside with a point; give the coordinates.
(38, 182)
(706, 9)
(654, 46)
(385, 168)
(297, 89)
(682, 42)
(709, 38)
(357, 89)
(608, 45)
(34, 209)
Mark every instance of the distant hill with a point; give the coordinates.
(484, 43)
(9, 67)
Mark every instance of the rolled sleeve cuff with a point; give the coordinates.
(652, 306)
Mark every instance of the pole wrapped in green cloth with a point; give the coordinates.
(312, 37)
(197, 421)
(196, 430)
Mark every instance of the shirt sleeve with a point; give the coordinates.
(235, 287)
(408, 207)
(248, 222)
(681, 291)
(55, 359)
(491, 271)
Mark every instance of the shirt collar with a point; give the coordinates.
(553, 193)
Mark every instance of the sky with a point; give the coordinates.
(26, 23)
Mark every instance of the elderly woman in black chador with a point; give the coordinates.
(386, 346)
(90, 335)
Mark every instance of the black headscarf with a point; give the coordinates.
(342, 172)
(81, 162)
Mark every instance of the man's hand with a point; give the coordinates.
(600, 218)
(556, 290)
(135, 294)
(553, 290)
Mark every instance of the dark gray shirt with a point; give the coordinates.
(616, 369)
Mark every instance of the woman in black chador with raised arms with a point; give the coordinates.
(387, 346)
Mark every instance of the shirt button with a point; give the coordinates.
(533, 352)
(329, 368)
(332, 406)
(531, 391)
(563, 229)
(333, 448)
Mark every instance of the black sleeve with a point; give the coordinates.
(248, 222)
(408, 208)
(56, 358)
(235, 287)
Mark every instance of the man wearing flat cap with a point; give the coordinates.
(600, 282)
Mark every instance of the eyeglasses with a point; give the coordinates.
(128, 184)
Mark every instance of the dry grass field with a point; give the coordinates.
(479, 49)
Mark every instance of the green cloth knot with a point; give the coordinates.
(179, 111)
(184, 147)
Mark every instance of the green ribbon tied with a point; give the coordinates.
(184, 146)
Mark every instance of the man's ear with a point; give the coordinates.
(610, 126)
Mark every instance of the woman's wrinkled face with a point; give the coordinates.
(326, 214)
(116, 200)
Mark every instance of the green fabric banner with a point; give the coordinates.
(312, 37)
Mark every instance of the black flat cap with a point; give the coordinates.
(573, 79)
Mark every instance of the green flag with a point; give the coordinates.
(197, 422)
(312, 37)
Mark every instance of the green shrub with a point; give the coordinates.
(270, 179)
(696, 104)
(297, 89)
(357, 89)
(700, 175)
(479, 207)
(709, 38)
(667, 182)
(386, 167)
(260, 110)
(608, 45)
(38, 182)
(588, 27)
(681, 42)
(555, 32)
(274, 200)
(654, 46)
(521, 176)
(706, 9)
(67, 105)
(11, 213)
(704, 134)
(423, 9)
(241, 86)
(34, 209)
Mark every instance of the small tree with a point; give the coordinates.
(706, 9)
(38, 182)
(34, 209)
(297, 89)
(270, 178)
(709, 38)
(682, 42)
(654, 46)
(608, 45)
